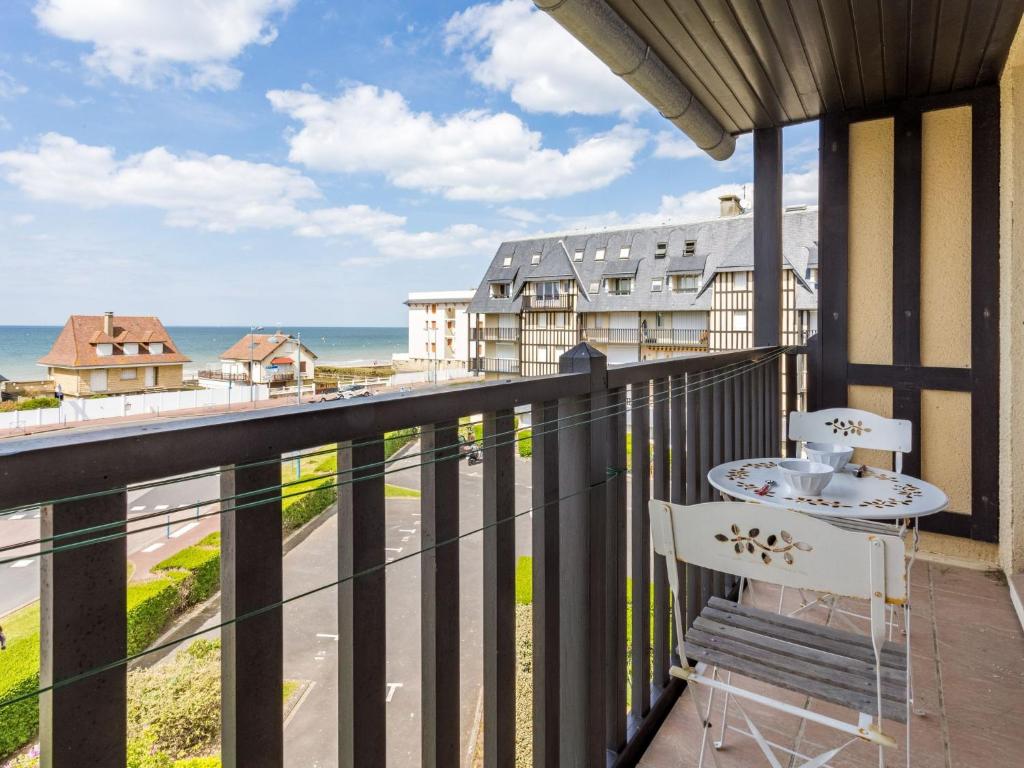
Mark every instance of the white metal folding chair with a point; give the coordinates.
(853, 428)
(864, 673)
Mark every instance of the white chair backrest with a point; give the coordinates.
(852, 428)
(780, 546)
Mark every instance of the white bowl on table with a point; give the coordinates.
(836, 456)
(808, 478)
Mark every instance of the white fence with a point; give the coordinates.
(152, 403)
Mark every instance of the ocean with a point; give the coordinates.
(22, 345)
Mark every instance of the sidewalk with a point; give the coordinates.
(184, 532)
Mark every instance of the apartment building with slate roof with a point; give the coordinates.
(637, 294)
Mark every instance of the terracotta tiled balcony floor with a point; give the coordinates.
(968, 664)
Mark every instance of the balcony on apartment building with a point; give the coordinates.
(494, 365)
(906, 148)
(494, 334)
(694, 339)
(549, 302)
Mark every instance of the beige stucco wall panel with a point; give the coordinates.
(870, 241)
(946, 238)
(876, 400)
(946, 445)
(1011, 309)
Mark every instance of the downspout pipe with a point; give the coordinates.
(595, 24)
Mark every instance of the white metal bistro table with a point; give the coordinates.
(879, 495)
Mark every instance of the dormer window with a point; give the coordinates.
(507, 261)
(131, 348)
(104, 350)
(156, 347)
(687, 283)
(599, 254)
(548, 290)
(535, 259)
(577, 255)
(656, 284)
(660, 250)
(690, 248)
(499, 290)
(624, 252)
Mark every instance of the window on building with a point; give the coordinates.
(535, 259)
(739, 321)
(690, 248)
(128, 374)
(542, 354)
(577, 255)
(131, 348)
(433, 309)
(559, 320)
(624, 252)
(594, 287)
(507, 261)
(621, 286)
(103, 350)
(657, 283)
(156, 347)
(688, 283)
(547, 290)
(660, 250)
(739, 281)
(599, 254)
(499, 290)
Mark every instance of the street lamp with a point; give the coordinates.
(252, 347)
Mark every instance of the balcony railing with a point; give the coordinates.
(493, 365)
(239, 378)
(549, 303)
(612, 335)
(494, 334)
(690, 338)
(694, 410)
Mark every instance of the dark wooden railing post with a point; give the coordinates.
(252, 650)
(544, 472)
(362, 653)
(694, 382)
(82, 627)
(615, 572)
(660, 490)
(582, 481)
(790, 386)
(499, 590)
(640, 551)
(439, 577)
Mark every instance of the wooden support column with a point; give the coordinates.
(833, 257)
(767, 236)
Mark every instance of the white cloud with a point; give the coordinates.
(5, 124)
(511, 46)
(145, 42)
(9, 87)
(473, 155)
(218, 193)
(674, 145)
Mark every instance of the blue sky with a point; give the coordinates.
(238, 161)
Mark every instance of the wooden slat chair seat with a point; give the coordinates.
(811, 659)
(865, 674)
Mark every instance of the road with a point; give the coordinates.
(19, 580)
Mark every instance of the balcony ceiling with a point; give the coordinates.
(762, 63)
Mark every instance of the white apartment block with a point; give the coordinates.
(439, 332)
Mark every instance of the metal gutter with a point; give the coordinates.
(595, 24)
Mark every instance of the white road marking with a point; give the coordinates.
(153, 547)
(407, 530)
(184, 529)
(391, 559)
(17, 517)
(415, 514)
(139, 508)
(36, 515)
(326, 634)
(21, 563)
(161, 507)
(392, 687)
(405, 538)
(392, 549)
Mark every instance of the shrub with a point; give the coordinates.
(151, 604)
(525, 443)
(19, 675)
(304, 508)
(198, 762)
(524, 580)
(393, 441)
(203, 564)
(211, 540)
(34, 403)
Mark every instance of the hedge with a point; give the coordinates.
(203, 565)
(19, 675)
(525, 443)
(304, 508)
(393, 441)
(151, 604)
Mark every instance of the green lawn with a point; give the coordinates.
(398, 492)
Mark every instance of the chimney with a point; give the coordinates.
(729, 205)
(108, 323)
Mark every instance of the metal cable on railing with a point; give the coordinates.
(573, 421)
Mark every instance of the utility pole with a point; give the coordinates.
(298, 367)
(252, 352)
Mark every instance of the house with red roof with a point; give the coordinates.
(114, 354)
(273, 359)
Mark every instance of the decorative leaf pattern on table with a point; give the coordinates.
(750, 542)
(737, 473)
(754, 488)
(880, 503)
(817, 501)
(847, 427)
